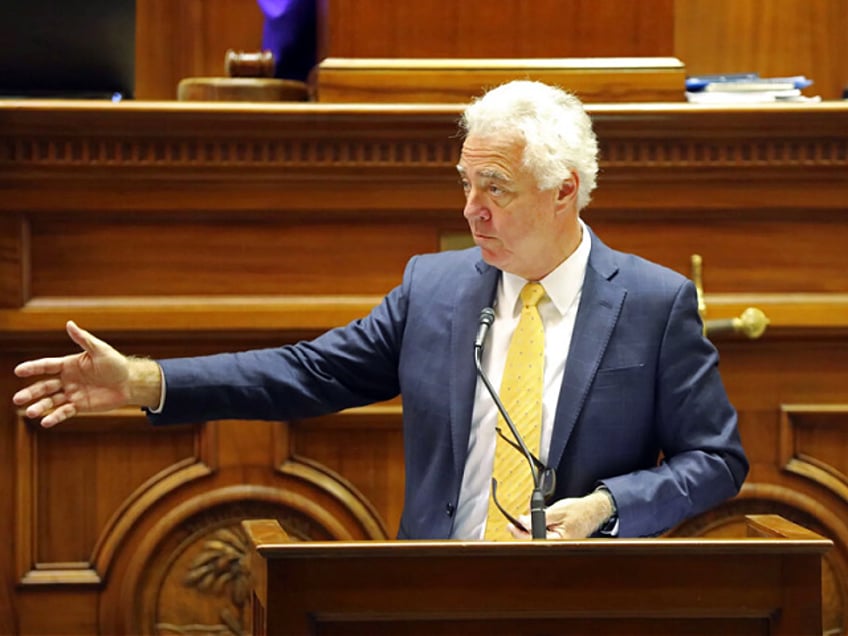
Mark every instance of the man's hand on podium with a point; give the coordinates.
(573, 518)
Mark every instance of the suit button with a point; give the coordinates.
(450, 509)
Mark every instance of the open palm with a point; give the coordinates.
(94, 380)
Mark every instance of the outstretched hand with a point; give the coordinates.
(94, 380)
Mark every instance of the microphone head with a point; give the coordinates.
(487, 316)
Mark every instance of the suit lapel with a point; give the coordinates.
(472, 294)
(600, 306)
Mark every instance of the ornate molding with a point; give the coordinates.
(737, 153)
(168, 575)
(804, 449)
(212, 153)
(46, 135)
(130, 152)
(31, 568)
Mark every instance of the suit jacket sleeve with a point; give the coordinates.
(702, 461)
(345, 367)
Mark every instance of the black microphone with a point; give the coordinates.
(537, 499)
(487, 317)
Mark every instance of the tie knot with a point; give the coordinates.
(531, 294)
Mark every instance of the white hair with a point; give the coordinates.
(556, 131)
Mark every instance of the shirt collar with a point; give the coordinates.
(562, 285)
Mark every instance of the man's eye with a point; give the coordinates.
(465, 185)
(495, 190)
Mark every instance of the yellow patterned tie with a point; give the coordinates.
(521, 394)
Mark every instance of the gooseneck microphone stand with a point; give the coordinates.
(537, 499)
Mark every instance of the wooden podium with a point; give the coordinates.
(768, 582)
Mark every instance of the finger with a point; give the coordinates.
(555, 533)
(64, 412)
(43, 366)
(83, 338)
(44, 405)
(516, 532)
(36, 391)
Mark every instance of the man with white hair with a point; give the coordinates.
(615, 394)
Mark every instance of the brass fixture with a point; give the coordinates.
(751, 323)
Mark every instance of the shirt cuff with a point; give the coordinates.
(161, 405)
(610, 527)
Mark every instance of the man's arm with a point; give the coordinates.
(703, 460)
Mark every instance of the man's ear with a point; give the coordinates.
(568, 188)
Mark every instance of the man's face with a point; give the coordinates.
(517, 226)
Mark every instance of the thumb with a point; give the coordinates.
(83, 338)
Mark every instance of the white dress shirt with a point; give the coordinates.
(558, 311)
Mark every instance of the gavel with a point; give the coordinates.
(250, 64)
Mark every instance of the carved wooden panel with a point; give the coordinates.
(375, 433)
(67, 479)
(194, 578)
(797, 466)
(814, 444)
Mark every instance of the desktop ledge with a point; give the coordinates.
(298, 108)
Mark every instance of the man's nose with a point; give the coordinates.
(475, 206)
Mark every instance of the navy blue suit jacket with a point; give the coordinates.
(642, 408)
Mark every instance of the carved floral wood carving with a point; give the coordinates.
(197, 580)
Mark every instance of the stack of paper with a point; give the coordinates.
(738, 88)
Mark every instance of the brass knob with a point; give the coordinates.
(752, 322)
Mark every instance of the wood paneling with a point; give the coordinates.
(764, 580)
(177, 229)
(306, 249)
(775, 38)
(176, 39)
(53, 481)
(514, 28)
(14, 264)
